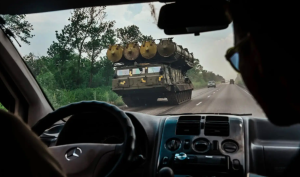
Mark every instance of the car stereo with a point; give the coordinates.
(203, 146)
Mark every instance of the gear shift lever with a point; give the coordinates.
(165, 172)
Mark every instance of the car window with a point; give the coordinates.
(123, 72)
(138, 71)
(154, 69)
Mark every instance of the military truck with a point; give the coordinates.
(144, 75)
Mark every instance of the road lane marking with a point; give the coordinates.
(214, 92)
(244, 90)
(198, 103)
(208, 96)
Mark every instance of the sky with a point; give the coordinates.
(209, 47)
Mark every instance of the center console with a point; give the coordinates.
(203, 146)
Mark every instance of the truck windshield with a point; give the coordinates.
(154, 69)
(138, 71)
(123, 72)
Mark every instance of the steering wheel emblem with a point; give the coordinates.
(73, 153)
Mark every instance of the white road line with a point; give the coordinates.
(208, 96)
(214, 92)
(198, 103)
(244, 90)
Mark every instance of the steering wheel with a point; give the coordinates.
(88, 159)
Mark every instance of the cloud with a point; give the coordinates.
(119, 14)
(228, 40)
(44, 25)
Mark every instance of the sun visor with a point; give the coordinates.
(188, 18)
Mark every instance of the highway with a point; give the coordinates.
(225, 98)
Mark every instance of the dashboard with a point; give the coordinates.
(198, 145)
(207, 144)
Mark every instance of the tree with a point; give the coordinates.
(19, 26)
(101, 36)
(30, 60)
(145, 38)
(195, 74)
(153, 12)
(82, 22)
(61, 50)
(131, 34)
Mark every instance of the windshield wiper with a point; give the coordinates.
(218, 113)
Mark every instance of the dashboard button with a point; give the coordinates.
(201, 145)
(236, 164)
(215, 145)
(165, 160)
(187, 144)
(180, 156)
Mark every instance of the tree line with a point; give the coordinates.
(74, 69)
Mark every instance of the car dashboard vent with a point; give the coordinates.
(216, 126)
(188, 125)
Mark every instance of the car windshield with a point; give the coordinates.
(112, 54)
(154, 69)
(123, 72)
(138, 70)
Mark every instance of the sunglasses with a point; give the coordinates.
(232, 54)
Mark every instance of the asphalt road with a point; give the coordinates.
(226, 98)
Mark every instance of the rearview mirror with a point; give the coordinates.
(208, 15)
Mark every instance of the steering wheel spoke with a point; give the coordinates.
(90, 159)
(81, 159)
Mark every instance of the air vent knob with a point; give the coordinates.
(230, 147)
(173, 144)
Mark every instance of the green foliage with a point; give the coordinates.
(74, 70)
(63, 97)
(19, 26)
(200, 77)
(131, 34)
(2, 107)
